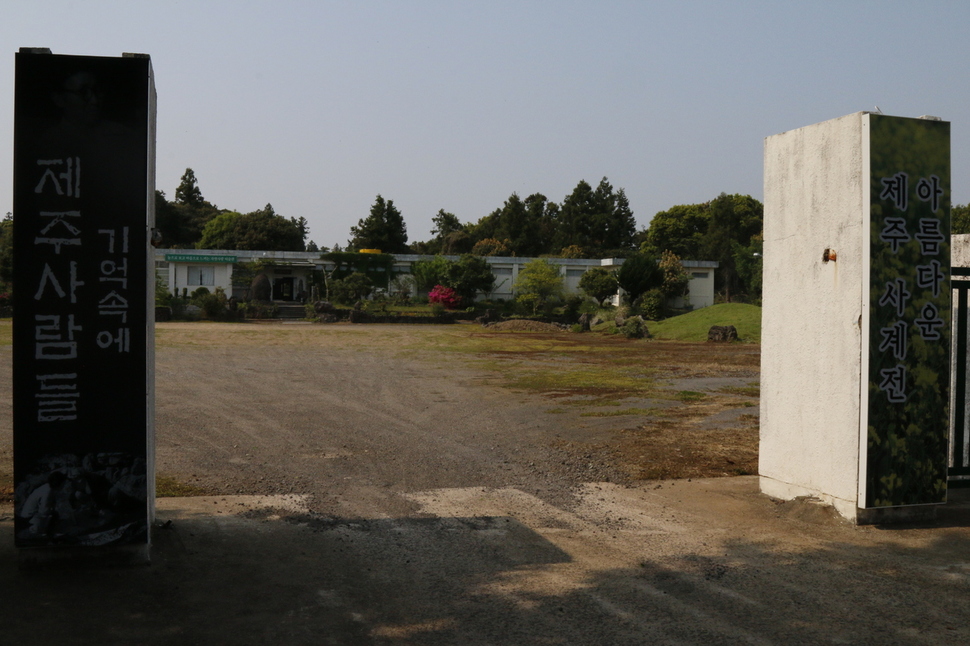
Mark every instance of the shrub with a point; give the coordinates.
(214, 306)
(634, 328)
(351, 289)
(639, 274)
(162, 296)
(538, 283)
(599, 283)
(572, 308)
(650, 305)
(445, 296)
(401, 287)
(196, 297)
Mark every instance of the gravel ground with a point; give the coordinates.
(361, 497)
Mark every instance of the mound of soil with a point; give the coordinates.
(523, 325)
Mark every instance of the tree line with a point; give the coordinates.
(191, 221)
(588, 223)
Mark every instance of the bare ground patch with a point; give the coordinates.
(653, 409)
(681, 410)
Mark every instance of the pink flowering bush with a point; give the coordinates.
(445, 296)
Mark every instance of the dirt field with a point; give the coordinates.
(455, 400)
(454, 485)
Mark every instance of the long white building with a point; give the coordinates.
(291, 272)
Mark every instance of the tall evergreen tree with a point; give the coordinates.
(449, 234)
(188, 191)
(621, 228)
(598, 221)
(445, 223)
(383, 229)
(576, 218)
(542, 216)
(181, 221)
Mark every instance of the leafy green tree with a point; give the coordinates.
(637, 275)
(710, 231)
(748, 263)
(383, 229)
(469, 276)
(263, 229)
(735, 220)
(539, 282)
(680, 230)
(599, 283)
(428, 273)
(675, 277)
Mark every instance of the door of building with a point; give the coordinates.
(283, 289)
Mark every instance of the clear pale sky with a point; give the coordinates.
(318, 106)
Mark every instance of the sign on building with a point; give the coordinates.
(83, 337)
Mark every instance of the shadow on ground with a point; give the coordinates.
(235, 573)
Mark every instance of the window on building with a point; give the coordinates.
(575, 273)
(202, 276)
(502, 271)
(699, 274)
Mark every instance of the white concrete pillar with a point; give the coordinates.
(845, 221)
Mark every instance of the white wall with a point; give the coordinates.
(811, 338)
(179, 271)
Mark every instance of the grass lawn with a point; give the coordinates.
(693, 326)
